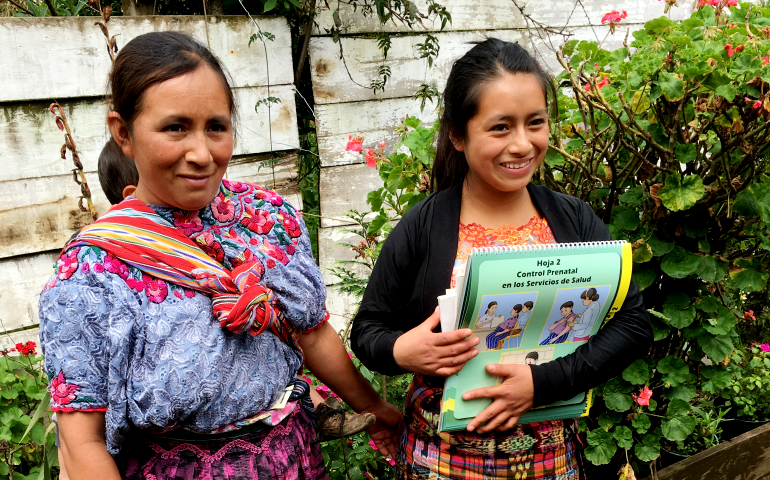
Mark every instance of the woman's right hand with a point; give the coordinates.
(441, 354)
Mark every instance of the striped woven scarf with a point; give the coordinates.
(135, 234)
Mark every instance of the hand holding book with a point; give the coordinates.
(422, 351)
(510, 400)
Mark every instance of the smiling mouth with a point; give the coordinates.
(516, 165)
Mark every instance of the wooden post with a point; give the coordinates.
(746, 457)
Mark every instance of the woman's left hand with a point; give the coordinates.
(510, 400)
(385, 432)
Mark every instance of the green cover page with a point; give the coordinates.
(530, 305)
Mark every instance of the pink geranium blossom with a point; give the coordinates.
(613, 18)
(355, 144)
(644, 396)
(371, 158)
(765, 347)
(62, 392)
(749, 315)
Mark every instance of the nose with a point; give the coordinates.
(198, 151)
(519, 144)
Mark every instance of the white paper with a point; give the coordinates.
(447, 308)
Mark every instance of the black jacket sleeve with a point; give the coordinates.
(626, 337)
(381, 317)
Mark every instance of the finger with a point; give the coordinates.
(502, 369)
(509, 424)
(431, 322)
(455, 349)
(447, 371)
(484, 392)
(495, 422)
(487, 414)
(448, 338)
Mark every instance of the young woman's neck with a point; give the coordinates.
(492, 209)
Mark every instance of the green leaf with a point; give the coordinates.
(641, 423)
(722, 324)
(649, 449)
(644, 275)
(728, 91)
(745, 204)
(41, 408)
(553, 158)
(673, 87)
(717, 347)
(749, 280)
(685, 152)
(270, 4)
(377, 223)
(374, 198)
(681, 194)
(707, 303)
(659, 247)
(678, 428)
(680, 392)
(678, 300)
(620, 402)
(609, 419)
(601, 447)
(642, 254)
(711, 269)
(659, 329)
(679, 263)
(679, 318)
(637, 373)
(625, 218)
(675, 371)
(624, 436)
(715, 380)
(657, 25)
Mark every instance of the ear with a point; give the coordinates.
(119, 130)
(128, 190)
(456, 141)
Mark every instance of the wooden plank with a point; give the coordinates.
(341, 308)
(66, 57)
(23, 280)
(43, 212)
(746, 457)
(345, 188)
(8, 341)
(31, 141)
(330, 252)
(503, 14)
(331, 80)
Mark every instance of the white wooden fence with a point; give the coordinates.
(42, 59)
(343, 108)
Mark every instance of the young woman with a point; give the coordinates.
(175, 325)
(493, 138)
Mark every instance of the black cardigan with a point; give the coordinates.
(415, 267)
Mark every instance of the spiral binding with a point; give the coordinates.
(546, 247)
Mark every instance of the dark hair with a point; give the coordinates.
(568, 304)
(590, 294)
(153, 58)
(491, 304)
(116, 171)
(517, 307)
(532, 355)
(484, 63)
(529, 305)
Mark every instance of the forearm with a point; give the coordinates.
(327, 358)
(83, 447)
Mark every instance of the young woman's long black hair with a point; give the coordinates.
(484, 63)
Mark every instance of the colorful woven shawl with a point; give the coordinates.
(137, 235)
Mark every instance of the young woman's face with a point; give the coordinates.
(492, 309)
(508, 137)
(182, 140)
(566, 311)
(587, 301)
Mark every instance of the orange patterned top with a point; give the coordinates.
(473, 235)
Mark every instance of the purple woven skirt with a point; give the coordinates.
(288, 451)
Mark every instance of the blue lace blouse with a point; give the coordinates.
(150, 353)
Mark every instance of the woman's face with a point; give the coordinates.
(492, 309)
(182, 140)
(587, 301)
(507, 139)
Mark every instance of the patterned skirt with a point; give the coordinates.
(288, 451)
(542, 451)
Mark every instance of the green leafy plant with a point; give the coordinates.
(748, 391)
(27, 448)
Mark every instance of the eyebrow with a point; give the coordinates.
(542, 111)
(182, 119)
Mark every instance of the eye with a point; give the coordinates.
(500, 127)
(218, 127)
(177, 127)
(537, 122)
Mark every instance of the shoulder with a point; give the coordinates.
(253, 194)
(569, 217)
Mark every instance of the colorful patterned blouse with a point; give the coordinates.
(150, 353)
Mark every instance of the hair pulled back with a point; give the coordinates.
(590, 294)
(484, 63)
(153, 58)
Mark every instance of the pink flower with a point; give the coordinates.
(354, 144)
(85, 267)
(113, 265)
(371, 444)
(26, 348)
(290, 225)
(258, 221)
(757, 104)
(730, 50)
(98, 268)
(188, 222)
(603, 82)
(382, 144)
(370, 158)
(732, 3)
(155, 288)
(644, 396)
(765, 60)
(391, 462)
(67, 264)
(273, 251)
(350, 355)
(61, 392)
(189, 293)
(765, 347)
(749, 315)
(269, 196)
(223, 208)
(233, 186)
(178, 294)
(613, 18)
